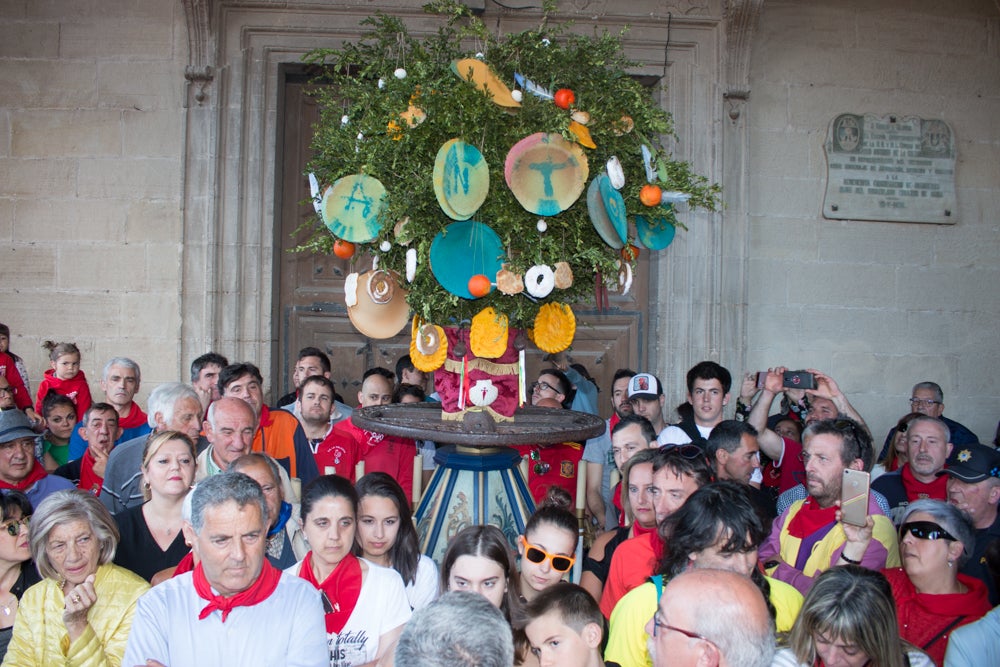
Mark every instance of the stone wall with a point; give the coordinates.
(90, 180)
(880, 306)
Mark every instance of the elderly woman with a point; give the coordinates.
(151, 536)
(80, 614)
(17, 572)
(932, 596)
(848, 619)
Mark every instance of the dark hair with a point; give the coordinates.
(11, 500)
(53, 399)
(404, 363)
(408, 390)
(574, 605)
(889, 460)
(234, 372)
(728, 435)
(199, 364)
(324, 360)
(554, 513)
(4, 331)
(585, 374)
(648, 431)
(321, 380)
(404, 554)
(488, 542)
(379, 370)
(324, 486)
(681, 462)
(856, 443)
(709, 370)
(565, 387)
(622, 373)
(98, 407)
(719, 509)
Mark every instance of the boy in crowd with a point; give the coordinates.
(564, 626)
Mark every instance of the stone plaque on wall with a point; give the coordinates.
(890, 168)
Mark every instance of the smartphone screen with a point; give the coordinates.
(854, 497)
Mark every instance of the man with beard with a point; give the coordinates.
(808, 537)
(928, 445)
(597, 454)
(335, 452)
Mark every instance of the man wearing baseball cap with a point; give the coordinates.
(18, 468)
(645, 393)
(974, 487)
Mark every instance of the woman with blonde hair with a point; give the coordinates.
(848, 619)
(81, 612)
(151, 535)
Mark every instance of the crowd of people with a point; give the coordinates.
(211, 528)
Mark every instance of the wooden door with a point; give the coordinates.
(311, 310)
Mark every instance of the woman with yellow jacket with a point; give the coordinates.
(81, 612)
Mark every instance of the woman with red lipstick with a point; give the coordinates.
(387, 537)
(17, 572)
(151, 535)
(365, 604)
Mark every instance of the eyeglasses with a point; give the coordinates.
(926, 530)
(687, 451)
(6, 390)
(541, 386)
(926, 402)
(657, 624)
(537, 555)
(14, 527)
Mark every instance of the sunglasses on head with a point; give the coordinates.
(14, 527)
(687, 451)
(926, 530)
(537, 555)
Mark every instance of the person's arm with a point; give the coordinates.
(147, 638)
(770, 442)
(594, 565)
(595, 501)
(827, 387)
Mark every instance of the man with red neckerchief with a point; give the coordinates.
(19, 470)
(99, 429)
(234, 608)
(928, 445)
(120, 383)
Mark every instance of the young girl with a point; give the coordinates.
(479, 560)
(12, 369)
(64, 376)
(22, 371)
(59, 413)
(387, 537)
(365, 604)
(547, 548)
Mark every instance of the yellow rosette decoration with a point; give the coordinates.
(488, 334)
(555, 326)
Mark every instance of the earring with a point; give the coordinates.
(951, 563)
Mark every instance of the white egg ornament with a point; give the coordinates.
(400, 73)
(385, 246)
(517, 95)
(381, 84)
(542, 226)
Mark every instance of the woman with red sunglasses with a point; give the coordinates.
(546, 548)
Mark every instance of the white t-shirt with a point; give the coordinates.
(675, 435)
(382, 606)
(424, 588)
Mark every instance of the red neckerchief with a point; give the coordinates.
(659, 546)
(37, 473)
(259, 591)
(89, 481)
(265, 416)
(917, 490)
(186, 564)
(342, 589)
(638, 530)
(135, 417)
(810, 518)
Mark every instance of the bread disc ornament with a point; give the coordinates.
(539, 281)
(555, 326)
(428, 346)
(508, 282)
(488, 334)
(563, 276)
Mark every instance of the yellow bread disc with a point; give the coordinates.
(555, 326)
(488, 334)
(428, 347)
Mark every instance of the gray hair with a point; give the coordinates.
(459, 629)
(220, 489)
(122, 361)
(949, 517)
(253, 458)
(64, 507)
(931, 420)
(225, 400)
(164, 399)
(933, 386)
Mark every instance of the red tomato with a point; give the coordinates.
(564, 98)
(343, 249)
(479, 285)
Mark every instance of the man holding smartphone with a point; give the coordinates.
(809, 537)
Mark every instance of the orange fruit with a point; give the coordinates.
(343, 249)
(650, 195)
(479, 285)
(630, 252)
(564, 98)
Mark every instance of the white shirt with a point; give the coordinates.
(288, 628)
(424, 588)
